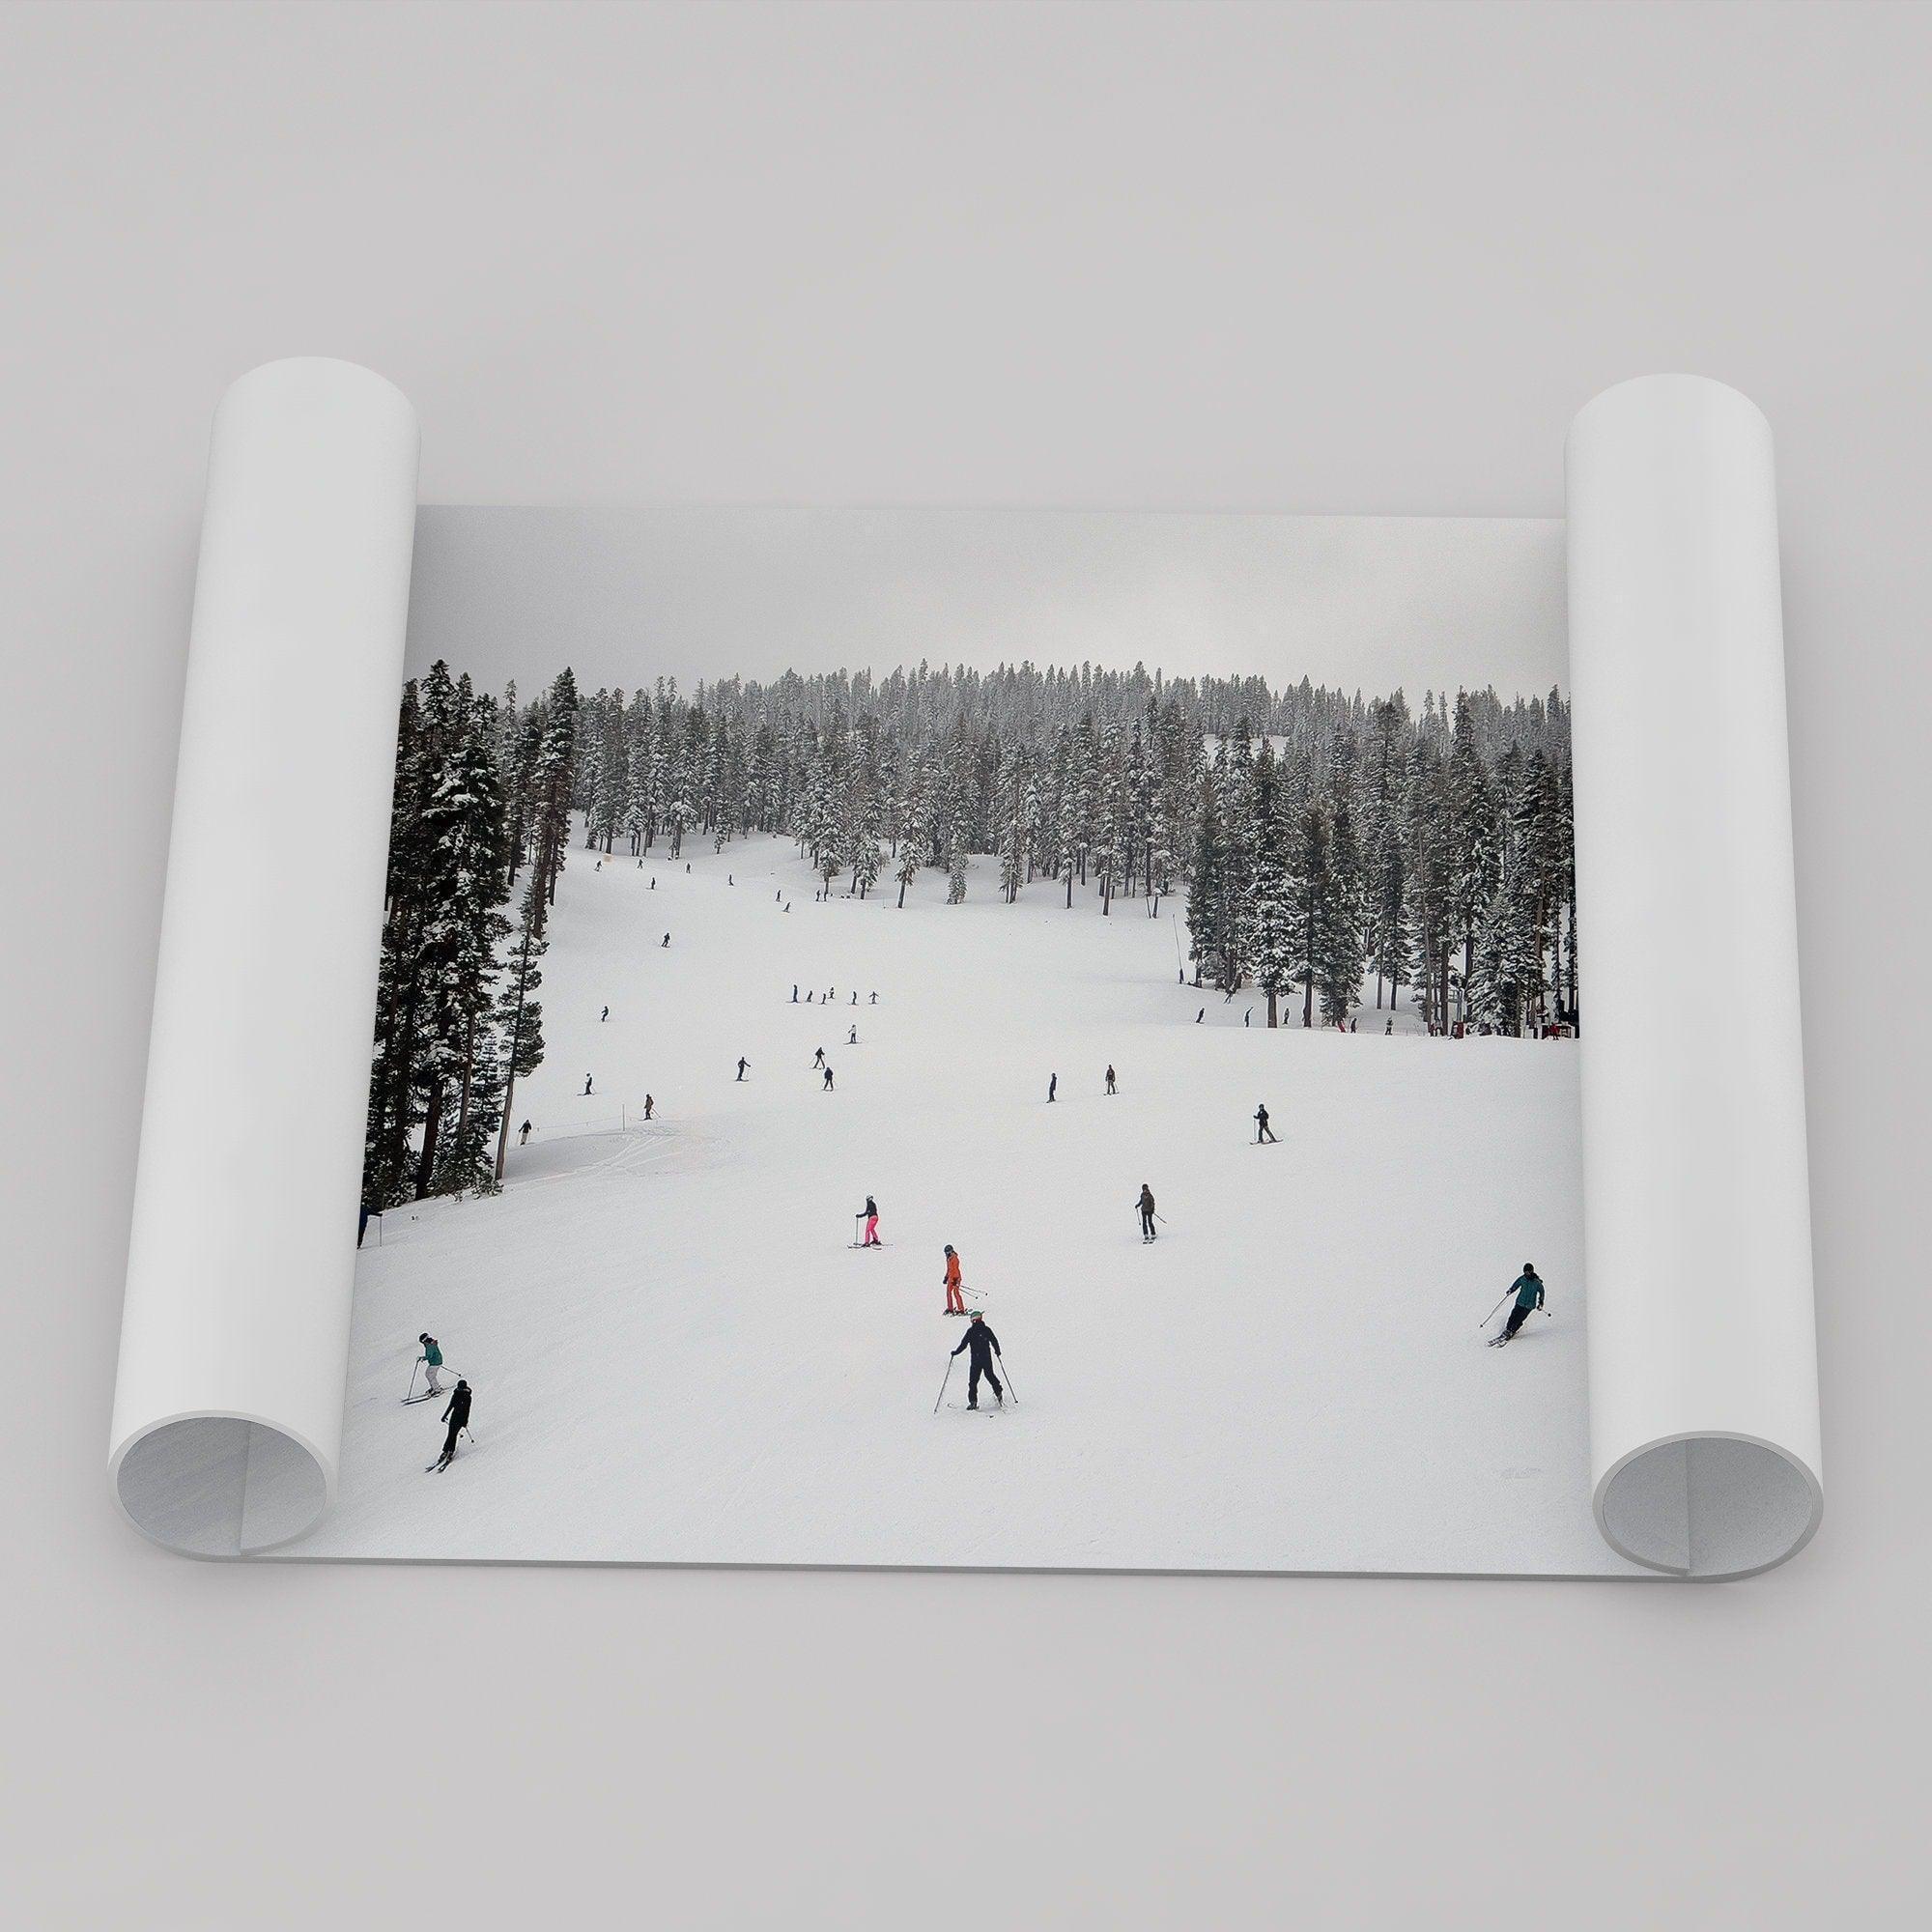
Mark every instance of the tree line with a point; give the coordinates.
(1321, 837)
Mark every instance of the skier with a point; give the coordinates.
(1263, 1132)
(875, 999)
(1146, 1205)
(852, 1038)
(1110, 1079)
(666, 938)
(1052, 1087)
(1528, 1287)
(432, 1358)
(807, 999)
(457, 1416)
(604, 1015)
(985, 1345)
(1248, 1017)
(794, 992)
(585, 1094)
(743, 1063)
(1390, 1028)
(872, 1239)
(1201, 1015)
(649, 1103)
(827, 1088)
(818, 1058)
(955, 1301)
(524, 1135)
(599, 866)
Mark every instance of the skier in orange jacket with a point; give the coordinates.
(955, 1301)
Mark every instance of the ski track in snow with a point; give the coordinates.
(678, 1357)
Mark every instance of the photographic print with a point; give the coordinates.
(946, 1038)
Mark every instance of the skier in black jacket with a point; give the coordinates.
(457, 1416)
(1146, 1205)
(985, 1345)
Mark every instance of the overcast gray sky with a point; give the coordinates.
(626, 596)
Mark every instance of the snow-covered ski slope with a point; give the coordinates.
(678, 1357)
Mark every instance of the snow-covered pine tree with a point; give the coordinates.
(1271, 941)
(518, 1013)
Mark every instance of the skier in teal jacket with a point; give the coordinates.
(1528, 1286)
(432, 1354)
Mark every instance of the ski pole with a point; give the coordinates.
(1485, 1321)
(941, 1395)
(411, 1389)
(1011, 1389)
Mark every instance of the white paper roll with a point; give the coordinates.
(1703, 1371)
(228, 1409)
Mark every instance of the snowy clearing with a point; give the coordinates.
(678, 1357)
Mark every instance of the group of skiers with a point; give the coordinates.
(456, 1412)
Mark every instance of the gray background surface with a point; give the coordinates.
(1362, 259)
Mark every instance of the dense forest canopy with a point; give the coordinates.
(1321, 838)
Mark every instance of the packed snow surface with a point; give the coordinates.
(678, 1357)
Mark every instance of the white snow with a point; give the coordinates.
(677, 1358)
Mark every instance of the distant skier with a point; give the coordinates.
(852, 1038)
(872, 1219)
(524, 1135)
(654, 883)
(818, 1058)
(1248, 1017)
(432, 1358)
(457, 1416)
(985, 1345)
(1263, 1132)
(743, 1063)
(1146, 1205)
(807, 999)
(649, 1104)
(956, 1299)
(1201, 1015)
(874, 1000)
(599, 866)
(1390, 1028)
(1109, 1080)
(1052, 1087)
(855, 996)
(1528, 1287)
(585, 1094)
(794, 992)
(604, 1015)
(665, 941)
(827, 1088)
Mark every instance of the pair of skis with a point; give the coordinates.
(442, 1462)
